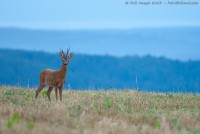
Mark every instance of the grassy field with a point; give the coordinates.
(98, 112)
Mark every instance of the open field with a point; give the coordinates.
(98, 112)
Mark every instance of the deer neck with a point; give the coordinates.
(63, 70)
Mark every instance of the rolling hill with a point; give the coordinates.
(180, 43)
(147, 73)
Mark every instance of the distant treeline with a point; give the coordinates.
(22, 68)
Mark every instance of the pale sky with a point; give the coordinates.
(89, 14)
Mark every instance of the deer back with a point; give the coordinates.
(52, 78)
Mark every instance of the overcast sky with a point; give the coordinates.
(87, 14)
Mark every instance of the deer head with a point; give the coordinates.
(65, 58)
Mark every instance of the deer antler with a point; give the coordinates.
(68, 49)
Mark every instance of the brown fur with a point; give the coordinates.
(53, 78)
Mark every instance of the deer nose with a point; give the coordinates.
(65, 64)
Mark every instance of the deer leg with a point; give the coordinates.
(38, 90)
(60, 93)
(49, 92)
(56, 92)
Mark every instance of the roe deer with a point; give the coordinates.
(55, 78)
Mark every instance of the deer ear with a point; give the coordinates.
(61, 55)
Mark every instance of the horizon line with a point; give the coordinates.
(97, 28)
(96, 25)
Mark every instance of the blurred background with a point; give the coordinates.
(115, 45)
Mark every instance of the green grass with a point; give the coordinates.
(88, 112)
